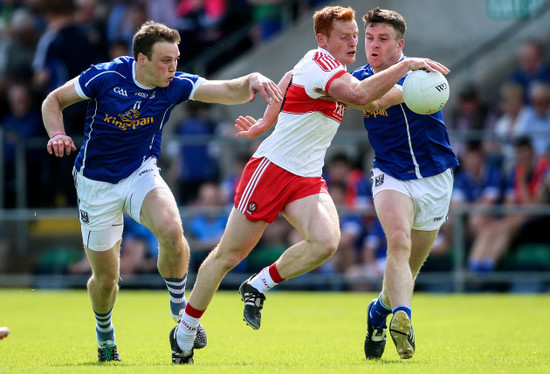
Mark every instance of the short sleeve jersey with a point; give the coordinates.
(407, 145)
(306, 124)
(124, 119)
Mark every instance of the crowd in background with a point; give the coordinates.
(503, 149)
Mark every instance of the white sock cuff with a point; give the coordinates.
(263, 281)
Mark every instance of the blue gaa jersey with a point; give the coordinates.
(124, 120)
(407, 145)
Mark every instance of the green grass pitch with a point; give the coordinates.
(54, 332)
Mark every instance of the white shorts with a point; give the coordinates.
(101, 204)
(431, 196)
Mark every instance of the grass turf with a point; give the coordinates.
(53, 332)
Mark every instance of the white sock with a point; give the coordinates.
(187, 329)
(263, 281)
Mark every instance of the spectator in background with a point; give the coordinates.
(88, 14)
(267, 16)
(479, 183)
(163, 11)
(340, 170)
(371, 260)
(22, 123)
(139, 249)
(524, 187)
(471, 118)
(500, 143)
(196, 162)
(536, 122)
(531, 66)
(118, 49)
(7, 9)
(207, 223)
(351, 230)
(275, 240)
(136, 15)
(115, 20)
(231, 181)
(17, 45)
(200, 25)
(64, 50)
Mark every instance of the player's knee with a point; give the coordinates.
(105, 282)
(170, 234)
(327, 244)
(399, 240)
(226, 260)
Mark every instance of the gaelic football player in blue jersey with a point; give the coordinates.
(412, 181)
(129, 102)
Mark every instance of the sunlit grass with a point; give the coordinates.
(54, 331)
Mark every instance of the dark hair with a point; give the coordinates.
(150, 33)
(474, 146)
(56, 7)
(390, 17)
(323, 19)
(523, 141)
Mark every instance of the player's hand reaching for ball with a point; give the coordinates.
(417, 63)
(60, 145)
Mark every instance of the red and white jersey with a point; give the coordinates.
(306, 124)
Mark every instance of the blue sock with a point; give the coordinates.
(104, 328)
(404, 308)
(176, 288)
(378, 313)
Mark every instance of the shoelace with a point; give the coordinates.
(252, 297)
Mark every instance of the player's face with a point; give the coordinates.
(382, 47)
(160, 70)
(342, 41)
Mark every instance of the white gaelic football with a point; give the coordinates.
(425, 92)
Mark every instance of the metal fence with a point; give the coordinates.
(22, 240)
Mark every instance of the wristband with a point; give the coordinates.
(57, 133)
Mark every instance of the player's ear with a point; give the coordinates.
(401, 43)
(322, 40)
(141, 57)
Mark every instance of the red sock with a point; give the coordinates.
(274, 273)
(192, 312)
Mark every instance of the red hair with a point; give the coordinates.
(323, 19)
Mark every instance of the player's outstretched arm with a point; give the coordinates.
(60, 144)
(238, 90)
(357, 93)
(252, 128)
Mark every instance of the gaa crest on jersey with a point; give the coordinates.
(378, 180)
(252, 206)
(84, 216)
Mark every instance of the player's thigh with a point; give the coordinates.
(160, 213)
(395, 210)
(240, 236)
(105, 264)
(316, 217)
(422, 243)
